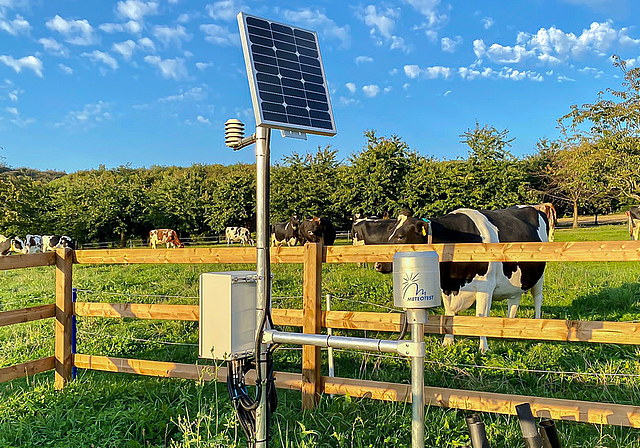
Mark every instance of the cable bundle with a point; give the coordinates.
(243, 403)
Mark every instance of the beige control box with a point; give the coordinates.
(227, 314)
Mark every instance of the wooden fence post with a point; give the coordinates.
(64, 313)
(311, 323)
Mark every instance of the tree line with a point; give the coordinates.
(594, 167)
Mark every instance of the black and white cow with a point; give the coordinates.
(481, 282)
(375, 231)
(52, 242)
(32, 244)
(5, 245)
(633, 217)
(317, 230)
(238, 235)
(285, 232)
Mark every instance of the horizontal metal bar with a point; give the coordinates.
(323, 340)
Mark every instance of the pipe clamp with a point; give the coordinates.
(412, 349)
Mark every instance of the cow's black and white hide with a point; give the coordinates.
(481, 282)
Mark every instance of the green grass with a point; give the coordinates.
(120, 410)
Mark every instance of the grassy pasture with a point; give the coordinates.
(120, 410)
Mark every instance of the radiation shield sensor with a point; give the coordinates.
(286, 75)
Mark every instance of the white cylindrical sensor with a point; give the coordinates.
(416, 279)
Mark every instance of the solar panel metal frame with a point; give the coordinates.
(253, 82)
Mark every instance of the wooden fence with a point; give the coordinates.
(312, 319)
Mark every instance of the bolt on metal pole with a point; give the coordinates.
(263, 268)
(417, 317)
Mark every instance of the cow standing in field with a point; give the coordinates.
(32, 244)
(285, 232)
(548, 209)
(480, 282)
(633, 218)
(164, 236)
(52, 242)
(239, 235)
(317, 230)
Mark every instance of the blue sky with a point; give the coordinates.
(84, 83)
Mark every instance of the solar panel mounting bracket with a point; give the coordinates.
(293, 134)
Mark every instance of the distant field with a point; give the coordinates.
(119, 410)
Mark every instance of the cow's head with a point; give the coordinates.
(408, 230)
(295, 223)
(17, 245)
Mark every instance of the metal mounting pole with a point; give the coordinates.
(263, 268)
(417, 318)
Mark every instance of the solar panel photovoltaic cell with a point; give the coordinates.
(286, 76)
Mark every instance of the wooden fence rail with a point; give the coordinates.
(312, 319)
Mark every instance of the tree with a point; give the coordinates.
(612, 125)
(491, 177)
(576, 175)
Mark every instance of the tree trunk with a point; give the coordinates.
(595, 219)
(123, 239)
(575, 214)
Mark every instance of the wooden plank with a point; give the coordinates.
(311, 324)
(212, 255)
(558, 409)
(493, 327)
(138, 310)
(562, 251)
(28, 368)
(64, 313)
(284, 380)
(27, 260)
(27, 314)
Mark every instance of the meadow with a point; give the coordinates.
(120, 410)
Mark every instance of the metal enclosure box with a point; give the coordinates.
(227, 314)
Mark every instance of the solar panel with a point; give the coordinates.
(286, 76)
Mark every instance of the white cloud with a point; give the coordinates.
(202, 66)
(351, 87)
(432, 35)
(12, 110)
(195, 94)
(224, 10)
(219, 35)
(202, 120)
(625, 39)
(76, 32)
(13, 95)
(406, 86)
(146, 44)
(383, 23)
(183, 18)
(133, 27)
(414, 71)
(317, 20)
(429, 9)
(29, 62)
(449, 45)
(98, 56)
(562, 78)
(469, 74)
(363, 59)
(487, 22)
(168, 35)
(125, 48)
(87, 118)
(52, 46)
(447, 93)
(393, 71)
(19, 25)
(592, 71)
(388, 89)
(136, 10)
(169, 68)
(371, 90)
(22, 122)
(346, 102)
(66, 70)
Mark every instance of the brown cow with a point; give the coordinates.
(548, 209)
(164, 236)
(5, 245)
(633, 217)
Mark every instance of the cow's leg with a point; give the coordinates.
(536, 292)
(448, 311)
(636, 231)
(483, 305)
(512, 304)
